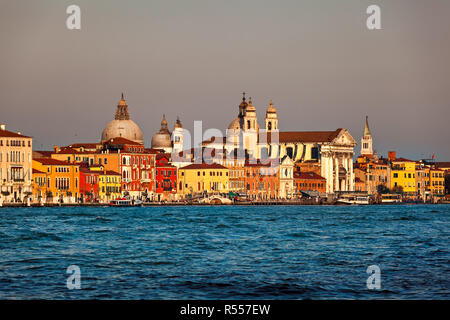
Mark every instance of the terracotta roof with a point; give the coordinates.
(67, 150)
(121, 140)
(53, 162)
(42, 154)
(402, 160)
(153, 151)
(35, 171)
(204, 166)
(308, 136)
(443, 164)
(163, 155)
(89, 145)
(307, 176)
(260, 164)
(10, 134)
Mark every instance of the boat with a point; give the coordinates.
(353, 199)
(391, 198)
(120, 202)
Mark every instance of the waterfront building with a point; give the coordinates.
(360, 178)
(423, 182)
(131, 159)
(309, 181)
(39, 186)
(332, 150)
(203, 178)
(403, 176)
(262, 180)
(235, 165)
(62, 180)
(166, 178)
(437, 183)
(122, 125)
(377, 172)
(15, 165)
(286, 176)
(446, 167)
(109, 186)
(360, 185)
(89, 183)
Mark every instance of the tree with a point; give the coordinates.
(397, 189)
(382, 189)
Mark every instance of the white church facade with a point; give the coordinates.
(333, 150)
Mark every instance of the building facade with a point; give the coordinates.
(200, 179)
(15, 166)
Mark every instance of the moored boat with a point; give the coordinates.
(353, 199)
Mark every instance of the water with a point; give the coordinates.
(255, 252)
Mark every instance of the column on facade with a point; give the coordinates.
(352, 175)
(336, 170)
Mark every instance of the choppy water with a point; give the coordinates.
(256, 252)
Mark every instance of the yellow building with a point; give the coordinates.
(403, 175)
(196, 179)
(437, 182)
(62, 180)
(109, 184)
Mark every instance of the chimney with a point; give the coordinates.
(3, 126)
(56, 149)
(391, 155)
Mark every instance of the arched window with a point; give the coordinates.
(289, 152)
(269, 126)
(248, 124)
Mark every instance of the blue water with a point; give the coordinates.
(255, 252)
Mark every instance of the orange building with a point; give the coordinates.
(261, 181)
(309, 181)
(62, 180)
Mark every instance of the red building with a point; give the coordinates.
(309, 181)
(165, 178)
(88, 184)
(136, 165)
(261, 181)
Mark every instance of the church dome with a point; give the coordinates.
(163, 138)
(122, 126)
(178, 124)
(235, 124)
(250, 107)
(271, 108)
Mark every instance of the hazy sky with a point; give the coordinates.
(193, 58)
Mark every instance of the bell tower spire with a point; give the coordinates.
(366, 141)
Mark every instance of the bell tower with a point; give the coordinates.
(177, 136)
(366, 141)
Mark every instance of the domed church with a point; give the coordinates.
(163, 138)
(332, 150)
(122, 126)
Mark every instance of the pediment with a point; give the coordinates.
(344, 138)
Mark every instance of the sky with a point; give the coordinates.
(316, 59)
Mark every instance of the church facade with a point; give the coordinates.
(333, 150)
